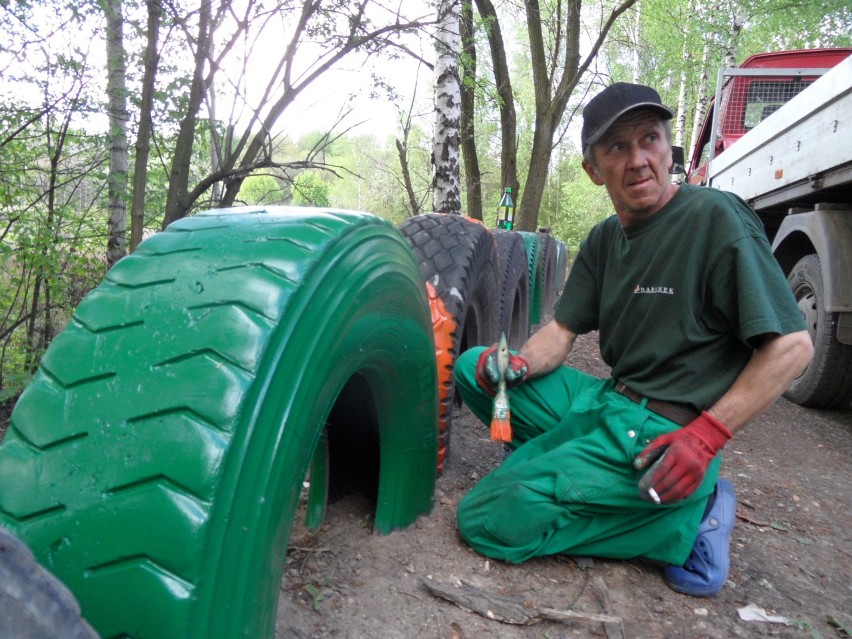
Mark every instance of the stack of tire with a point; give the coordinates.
(155, 463)
(480, 283)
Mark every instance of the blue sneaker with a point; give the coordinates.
(706, 568)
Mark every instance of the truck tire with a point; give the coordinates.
(827, 381)
(514, 287)
(458, 262)
(562, 259)
(155, 462)
(532, 243)
(547, 272)
(33, 603)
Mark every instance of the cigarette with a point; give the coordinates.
(653, 494)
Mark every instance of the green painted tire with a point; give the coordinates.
(532, 243)
(155, 462)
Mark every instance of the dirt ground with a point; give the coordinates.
(791, 553)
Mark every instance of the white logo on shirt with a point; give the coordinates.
(653, 290)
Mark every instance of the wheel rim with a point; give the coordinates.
(807, 302)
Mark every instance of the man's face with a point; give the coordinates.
(632, 161)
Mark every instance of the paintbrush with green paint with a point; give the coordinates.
(501, 427)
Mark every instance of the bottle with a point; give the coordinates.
(506, 211)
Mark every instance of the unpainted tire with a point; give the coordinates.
(532, 243)
(458, 262)
(33, 603)
(827, 381)
(155, 462)
(514, 286)
(547, 271)
(562, 260)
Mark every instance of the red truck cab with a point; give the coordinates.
(748, 100)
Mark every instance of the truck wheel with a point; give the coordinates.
(514, 286)
(827, 381)
(33, 603)
(155, 462)
(458, 261)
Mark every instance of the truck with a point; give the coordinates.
(778, 133)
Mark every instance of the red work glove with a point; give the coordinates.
(686, 454)
(488, 373)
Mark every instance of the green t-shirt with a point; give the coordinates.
(680, 298)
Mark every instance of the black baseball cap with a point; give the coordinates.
(613, 102)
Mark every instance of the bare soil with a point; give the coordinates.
(791, 552)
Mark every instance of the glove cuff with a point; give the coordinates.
(712, 430)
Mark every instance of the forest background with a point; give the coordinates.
(119, 117)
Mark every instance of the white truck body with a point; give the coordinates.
(795, 170)
(804, 146)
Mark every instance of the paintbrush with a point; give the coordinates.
(501, 427)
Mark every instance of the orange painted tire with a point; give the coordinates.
(458, 261)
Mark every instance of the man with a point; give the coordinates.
(702, 334)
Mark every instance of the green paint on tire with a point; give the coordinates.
(532, 243)
(156, 460)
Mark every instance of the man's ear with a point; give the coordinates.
(593, 174)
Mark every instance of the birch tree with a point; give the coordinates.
(117, 113)
(446, 196)
(470, 156)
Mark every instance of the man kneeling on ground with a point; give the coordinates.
(702, 334)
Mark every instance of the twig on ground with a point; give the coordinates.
(752, 520)
(511, 610)
(613, 629)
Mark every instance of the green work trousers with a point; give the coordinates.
(569, 487)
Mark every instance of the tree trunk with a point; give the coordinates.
(552, 93)
(402, 151)
(683, 80)
(732, 44)
(472, 176)
(702, 98)
(177, 201)
(116, 90)
(637, 43)
(446, 185)
(503, 84)
(143, 137)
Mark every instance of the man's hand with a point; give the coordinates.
(488, 374)
(688, 452)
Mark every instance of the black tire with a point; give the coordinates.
(458, 261)
(827, 381)
(532, 243)
(155, 462)
(547, 272)
(33, 603)
(514, 285)
(562, 259)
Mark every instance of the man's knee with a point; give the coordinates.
(465, 369)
